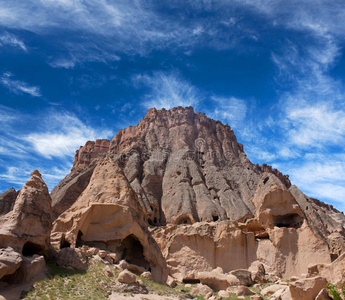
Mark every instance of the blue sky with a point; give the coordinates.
(74, 70)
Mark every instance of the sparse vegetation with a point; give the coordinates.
(71, 284)
(334, 291)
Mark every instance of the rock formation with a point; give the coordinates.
(25, 231)
(187, 178)
(176, 198)
(108, 215)
(7, 200)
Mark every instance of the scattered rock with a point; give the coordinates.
(308, 288)
(140, 282)
(271, 289)
(200, 289)
(255, 297)
(171, 282)
(244, 277)
(126, 277)
(217, 281)
(102, 253)
(147, 275)
(223, 294)
(240, 290)
(9, 261)
(72, 257)
(109, 271)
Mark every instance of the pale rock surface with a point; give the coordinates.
(107, 214)
(27, 226)
(334, 272)
(147, 275)
(200, 289)
(217, 281)
(271, 289)
(31, 269)
(9, 261)
(308, 288)
(126, 277)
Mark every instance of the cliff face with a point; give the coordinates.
(188, 180)
(183, 166)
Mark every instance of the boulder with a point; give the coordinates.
(171, 282)
(109, 271)
(223, 294)
(126, 277)
(240, 290)
(31, 269)
(147, 275)
(244, 277)
(271, 289)
(217, 281)
(307, 288)
(73, 258)
(9, 261)
(200, 289)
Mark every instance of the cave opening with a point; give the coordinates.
(191, 280)
(30, 249)
(290, 221)
(215, 218)
(64, 243)
(79, 241)
(133, 252)
(184, 220)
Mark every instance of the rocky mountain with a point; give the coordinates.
(176, 196)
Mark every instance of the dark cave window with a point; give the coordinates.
(30, 249)
(215, 218)
(133, 252)
(266, 179)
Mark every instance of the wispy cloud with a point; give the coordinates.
(63, 134)
(167, 90)
(230, 110)
(8, 39)
(19, 87)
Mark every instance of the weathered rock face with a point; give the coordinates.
(183, 166)
(108, 215)
(207, 205)
(7, 200)
(27, 227)
(25, 231)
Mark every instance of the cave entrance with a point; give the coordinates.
(133, 252)
(191, 280)
(184, 220)
(291, 221)
(79, 241)
(64, 243)
(30, 249)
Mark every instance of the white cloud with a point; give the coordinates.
(167, 90)
(8, 39)
(64, 135)
(229, 110)
(317, 125)
(19, 87)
